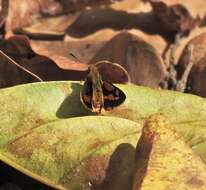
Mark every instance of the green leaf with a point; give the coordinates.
(75, 153)
(46, 133)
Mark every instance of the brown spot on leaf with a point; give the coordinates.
(95, 144)
(23, 147)
(93, 170)
(195, 182)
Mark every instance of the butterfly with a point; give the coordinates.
(97, 94)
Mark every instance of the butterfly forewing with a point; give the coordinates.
(86, 93)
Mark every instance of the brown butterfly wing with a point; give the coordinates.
(86, 93)
(113, 96)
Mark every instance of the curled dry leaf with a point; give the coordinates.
(164, 161)
(175, 19)
(196, 80)
(139, 58)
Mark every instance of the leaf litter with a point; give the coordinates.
(60, 39)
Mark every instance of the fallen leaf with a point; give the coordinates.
(196, 79)
(198, 53)
(164, 161)
(11, 73)
(195, 7)
(48, 122)
(139, 58)
(48, 28)
(89, 163)
(175, 19)
(184, 41)
(22, 12)
(83, 49)
(90, 21)
(46, 66)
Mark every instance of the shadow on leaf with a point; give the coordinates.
(72, 106)
(120, 170)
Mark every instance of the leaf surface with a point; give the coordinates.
(46, 133)
(164, 161)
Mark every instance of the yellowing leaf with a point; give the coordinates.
(164, 161)
(45, 132)
(76, 153)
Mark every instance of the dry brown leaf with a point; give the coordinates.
(198, 53)
(138, 57)
(174, 19)
(93, 20)
(83, 50)
(48, 28)
(11, 74)
(196, 81)
(22, 12)
(18, 48)
(185, 41)
(195, 7)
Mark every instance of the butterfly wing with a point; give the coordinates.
(86, 94)
(113, 96)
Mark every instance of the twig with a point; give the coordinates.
(21, 67)
(182, 83)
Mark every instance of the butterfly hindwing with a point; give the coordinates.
(97, 94)
(113, 96)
